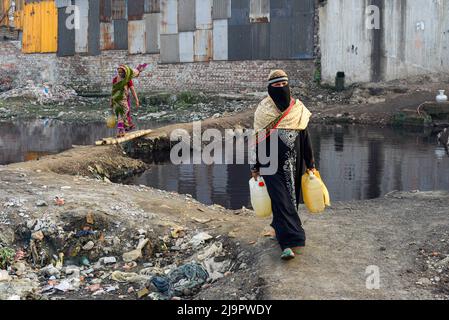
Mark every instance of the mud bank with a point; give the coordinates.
(404, 234)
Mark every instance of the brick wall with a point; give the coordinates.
(94, 73)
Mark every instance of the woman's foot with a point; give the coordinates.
(120, 135)
(287, 254)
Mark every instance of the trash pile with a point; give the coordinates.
(90, 257)
(45, 93)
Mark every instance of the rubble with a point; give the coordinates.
(43, 93)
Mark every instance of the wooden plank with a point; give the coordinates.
(127, 137)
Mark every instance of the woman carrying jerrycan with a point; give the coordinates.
(288, 118)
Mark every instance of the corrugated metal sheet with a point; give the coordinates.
(203, 14)
(81, 40)
(63, 3)
(186, 46)
(66, 37)
(49, 35)
(5, 6)
(260, 41)
(239, 12)
(136, 37)
(93, 31)
(40, 32)
(169, 48)
(259, 11)
(186, 15)
(169, 17)
(106, 36)
(303, 39)
(282, 8)
(220, 42)
(153, 40)
(18, 14)
(120, 34)
(136, 9)
(239, 42)
(221, 9)
(119, 10)
(152, 6)
(203, 45)
(31, 41)
(105, 10)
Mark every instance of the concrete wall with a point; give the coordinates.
(93, 73)
(413, 39)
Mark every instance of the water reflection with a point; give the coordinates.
(355, 162)
(24, 141)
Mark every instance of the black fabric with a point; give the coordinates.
(281, 96)
(304, 145)
(286, 221)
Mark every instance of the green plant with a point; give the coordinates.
(6, 257)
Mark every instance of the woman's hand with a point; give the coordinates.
(137, 104)
(255, 174)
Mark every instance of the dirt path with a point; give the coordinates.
(341, 244)
(351, 236)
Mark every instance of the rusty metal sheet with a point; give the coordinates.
(239, 12)
(152, 6)
(136, 36)
(239, 42)
(81, 39)
(169, 16)
(203, 45)
(119, 10)
(105, 10)
(66, 36)
(136, 9)
(220, 41)
(169, 48)
(186, 15)
(259, 11)
(153, 40)
(221, 9)
(186, 48)
(203, 14)
(106, 36)
(120, 34)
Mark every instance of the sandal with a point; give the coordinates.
(287, 254)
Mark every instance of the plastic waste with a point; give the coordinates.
(260, 199)
(315, 194)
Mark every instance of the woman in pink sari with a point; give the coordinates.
(122, 84)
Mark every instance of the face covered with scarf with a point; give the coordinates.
(279, 90)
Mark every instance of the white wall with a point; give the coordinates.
(346, 43)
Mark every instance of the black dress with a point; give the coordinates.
(284, 187)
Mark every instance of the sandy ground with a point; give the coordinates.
(404, 234)
(388, 233)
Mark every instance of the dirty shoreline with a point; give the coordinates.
(405, 234)
(66, 203)
(389, 103)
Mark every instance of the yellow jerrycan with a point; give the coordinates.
(315, 193)
(260, 199)
(111, 121)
